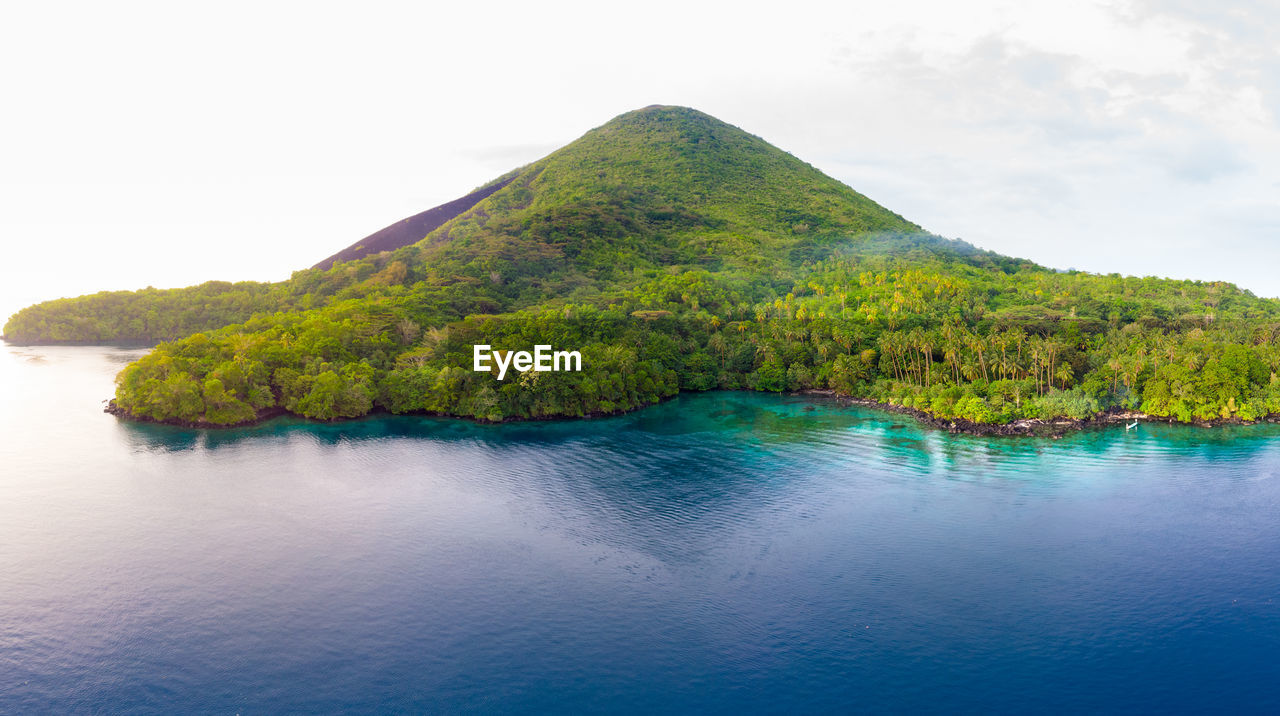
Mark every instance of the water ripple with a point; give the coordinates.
(716, 553)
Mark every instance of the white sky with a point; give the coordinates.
(168, 143)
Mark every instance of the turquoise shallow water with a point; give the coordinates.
(720, 552)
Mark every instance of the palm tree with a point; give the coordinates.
(718, 344)
(1115, 364)
(1064, 374)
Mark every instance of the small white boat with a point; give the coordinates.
(1131, 426)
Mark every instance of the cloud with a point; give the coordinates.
(1203, 161)
(1148, 129)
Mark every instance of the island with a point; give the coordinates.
(675, 252)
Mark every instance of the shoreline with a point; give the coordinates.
(274, 412)
(263, 416)
(1026, 427)
(1032, 427)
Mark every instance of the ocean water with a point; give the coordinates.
(722, 552)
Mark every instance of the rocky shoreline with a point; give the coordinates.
(277, 411)
(1027, 427)
(263, 415)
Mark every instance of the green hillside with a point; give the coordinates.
(653, 188)
(677, 252)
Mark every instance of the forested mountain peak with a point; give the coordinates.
(672, 170)
(661, 170)
(650, 189)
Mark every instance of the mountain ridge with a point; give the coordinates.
(412, 229)
(662, 185)
(600, 150)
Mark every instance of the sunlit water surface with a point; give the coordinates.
(717, 553)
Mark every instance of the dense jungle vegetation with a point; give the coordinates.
(679, 253)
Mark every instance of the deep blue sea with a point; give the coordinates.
(718, 553)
